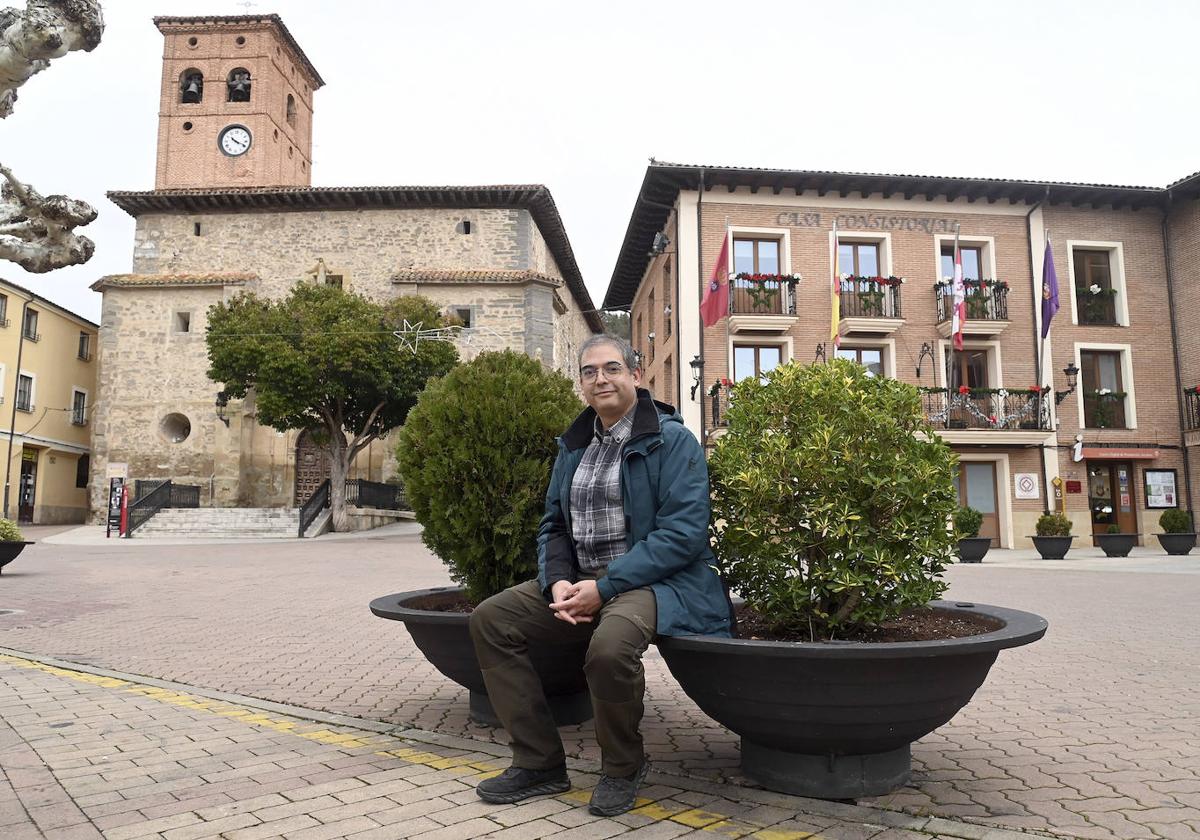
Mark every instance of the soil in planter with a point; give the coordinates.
(453, 603)
(916, 625)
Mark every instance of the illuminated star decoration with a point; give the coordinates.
(411, 335)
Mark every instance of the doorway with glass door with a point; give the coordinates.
(975, 482)
(1111, 497)
(27, 486)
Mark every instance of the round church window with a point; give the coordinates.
(175, 428)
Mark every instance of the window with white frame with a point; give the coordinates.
(1097, 286)
(1104, 391)
(755, 359)
(869, 357)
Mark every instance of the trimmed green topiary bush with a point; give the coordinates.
(832, 498)
(1053, 525)
(475, 455)
(1175, 521)
(9, 532)
(967, 522)
(1113, 529)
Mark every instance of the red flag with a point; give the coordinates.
(715, 304)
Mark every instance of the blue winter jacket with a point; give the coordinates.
(664, 486)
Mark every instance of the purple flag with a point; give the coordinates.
(1049, 290)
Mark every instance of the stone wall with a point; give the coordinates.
(244, 463)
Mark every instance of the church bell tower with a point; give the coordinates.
(235, 106)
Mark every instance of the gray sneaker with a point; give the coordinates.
(517, 783)
(615, 795)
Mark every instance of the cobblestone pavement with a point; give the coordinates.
(1092, 732)
(91, 755)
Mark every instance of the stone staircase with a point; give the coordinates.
(221, 523)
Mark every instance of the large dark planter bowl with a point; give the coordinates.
(1052, 548)
(1177, 543)
(1117, 545)
(972, 549)
(835, 720)
(9, 552)
(445, 640)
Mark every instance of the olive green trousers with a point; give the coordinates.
(505, 626)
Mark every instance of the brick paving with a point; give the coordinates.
(1091, 733)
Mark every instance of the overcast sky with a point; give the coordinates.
(577, 96)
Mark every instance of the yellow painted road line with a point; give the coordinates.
(714, 822)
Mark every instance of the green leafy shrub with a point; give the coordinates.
(1114, 528)
(967, 522)
(1175, 521)
(1053, 525)
(832, 498)
(9, 532)
(475, 455)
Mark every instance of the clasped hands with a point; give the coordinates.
(575, 603)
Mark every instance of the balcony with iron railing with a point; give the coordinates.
(988, 409)
(870, 305)
(1191, 408)
(762, 302)
(986, 307)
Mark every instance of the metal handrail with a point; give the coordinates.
(1191, 405)
(144, 508)
(375, 494)
(317, 502)
(983, 304)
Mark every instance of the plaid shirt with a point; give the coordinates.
(597, 513)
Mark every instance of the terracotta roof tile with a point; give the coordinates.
(215, 278)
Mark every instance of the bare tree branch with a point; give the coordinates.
(46, 30)
(38, 233)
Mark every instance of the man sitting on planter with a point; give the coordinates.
(623, 553)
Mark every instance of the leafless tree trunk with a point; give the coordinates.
(36, 232)
(46, 30)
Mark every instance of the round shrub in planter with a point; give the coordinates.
(1178, 537)
(1116, 544)
(475, 454)
(971, 547)
(1053, 538)
(12, 542)
(832, 496)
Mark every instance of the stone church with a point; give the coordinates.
(233, 210)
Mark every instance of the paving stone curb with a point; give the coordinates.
(938, 826)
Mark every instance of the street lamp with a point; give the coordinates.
(1072, 373)
(697, 365)
(222, 402)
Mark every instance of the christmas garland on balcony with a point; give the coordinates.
(965, 400)
(972, 284)
(879, 281)
(759, 290)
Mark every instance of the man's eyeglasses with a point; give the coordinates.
(588, 372)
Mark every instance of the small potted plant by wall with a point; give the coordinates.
(475, 455)
(12, 542)
(1053, 538)
(971, 546)
(831, 499)
(1115, 543)
(1178, 537)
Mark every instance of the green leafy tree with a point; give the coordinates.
(476, 455)
(326, 360)
(833, 498)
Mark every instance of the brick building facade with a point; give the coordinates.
(233, 213)
(1128, 292)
